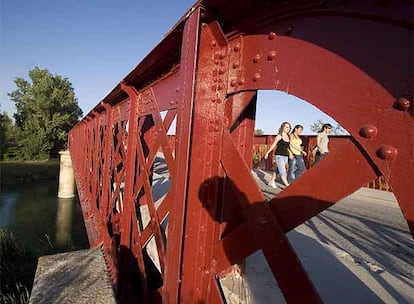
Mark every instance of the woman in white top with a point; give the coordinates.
(281, 147)
(322, 141)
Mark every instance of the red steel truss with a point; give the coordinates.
(351, 59)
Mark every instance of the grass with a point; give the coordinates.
(17, 269)
(13, 172)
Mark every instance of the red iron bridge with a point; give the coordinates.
(351, 59)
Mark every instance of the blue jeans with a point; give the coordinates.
(281, 162)
(296, 167)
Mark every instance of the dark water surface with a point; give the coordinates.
(42, 222)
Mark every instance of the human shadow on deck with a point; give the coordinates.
(229, 205)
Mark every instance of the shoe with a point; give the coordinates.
(272, 184)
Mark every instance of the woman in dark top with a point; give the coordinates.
(281, 143)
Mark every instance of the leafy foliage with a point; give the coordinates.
(46, 110)
(258, 132)
(336, 130)
(8, 137)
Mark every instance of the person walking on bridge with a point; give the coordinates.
(322, 141)
(281, 143)
(296, 161)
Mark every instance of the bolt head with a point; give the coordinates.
(236, 65)
(271, 55)
(256, 58)
(402, 104)
(368, 131)
(233, 82)
(236, 47)
(213, 43)
(272, 36)
(256, 77)
(387, 152)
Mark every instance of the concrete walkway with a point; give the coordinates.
(77, 277)
(337, 275)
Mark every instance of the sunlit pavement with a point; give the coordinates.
(358, 251)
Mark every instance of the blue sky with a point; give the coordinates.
(96, 43)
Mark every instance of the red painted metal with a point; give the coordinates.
(204, 75)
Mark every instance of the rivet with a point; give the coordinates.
(215, 79)
(217, 54)
(216, 61)
(218, 100)
(387, 152)
(221, 71)
(368, 131)
(214, 87)
(256, 77)
(177, 89)
(236, 65)
(256, 58)
(271, 36)
(214, 43)
(237, 47)
(233, 82)
(402, 104)
(203, 24)
(271, 55)
(222, 63)
(241, 81)
(172, 102)
(223, 55)
(216, 129)
(220, 86)
(213, 99)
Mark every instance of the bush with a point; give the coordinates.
(17, 269)
(16, 172)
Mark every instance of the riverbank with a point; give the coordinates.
(34, 222)
(17, 267)
(16, 172)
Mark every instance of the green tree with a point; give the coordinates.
(8, 135)
(336, 130)
(258, 132)
(46, 109)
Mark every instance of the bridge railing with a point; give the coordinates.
(262, 143)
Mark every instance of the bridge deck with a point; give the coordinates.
(342, 272)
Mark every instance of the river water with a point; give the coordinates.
(43, 223)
